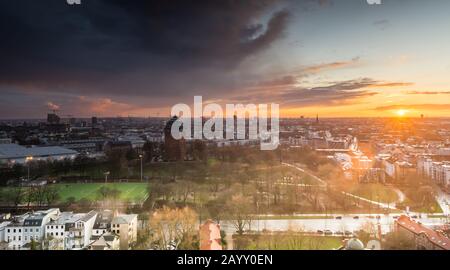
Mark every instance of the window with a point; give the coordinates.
(56, 234)
(9, 230)
(51, 227)
(14, 230)
(26, 238)
(26, 230)
(20, 238)
(118, 232)
(31, 230)
(37, 230)
(20, 230)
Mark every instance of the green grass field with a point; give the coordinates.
(133, 192)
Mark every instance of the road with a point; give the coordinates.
(345, 223)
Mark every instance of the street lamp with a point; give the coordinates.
(106, 176)
(141, 156)
(28, 160)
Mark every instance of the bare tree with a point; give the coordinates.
(173, 229)
(240, 213)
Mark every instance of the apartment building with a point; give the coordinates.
(28, 227)
(125, 226)
(78, 231)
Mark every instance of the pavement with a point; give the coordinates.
(335, 223)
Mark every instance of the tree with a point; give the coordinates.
(174, 229)
(51, 195)
(398, 241)
(240, 213)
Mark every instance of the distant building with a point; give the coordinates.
(437, 171)
(210, 238)
(53, 119)
(424, 238)
(112, 146)
(16, 154)
(94, 121)
(174, 150)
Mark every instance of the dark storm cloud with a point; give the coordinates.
(138, 47)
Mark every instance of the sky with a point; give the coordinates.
(335, 58)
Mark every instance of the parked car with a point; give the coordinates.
(320, 232)
(328, 232)
(348, 233)
(338, 217)
(356, 217)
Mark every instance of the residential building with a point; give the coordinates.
(55, 230)
(28, 227)
(424, 238)
(102, 223)
(106, 241)
(125, 226)
(78, 230)
(210, 238)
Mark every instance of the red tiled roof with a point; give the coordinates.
(416, 228)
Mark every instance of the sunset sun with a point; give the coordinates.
(401, 113)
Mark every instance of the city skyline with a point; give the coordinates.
(332, 58)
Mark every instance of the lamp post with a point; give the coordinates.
(106, 177)
(141, 157)
(28, 160)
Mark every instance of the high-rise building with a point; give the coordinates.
(174, 150)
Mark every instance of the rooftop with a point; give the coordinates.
(416, 228)
(10, 151)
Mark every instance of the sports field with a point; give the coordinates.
(133, 192)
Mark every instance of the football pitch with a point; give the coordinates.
(132, 192)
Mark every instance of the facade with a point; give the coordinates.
(102, 223)
(55, 230)
(28, 227)
(210, 238)
(3, 225)
(125, 226)
(437, 171)
(78, 230)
